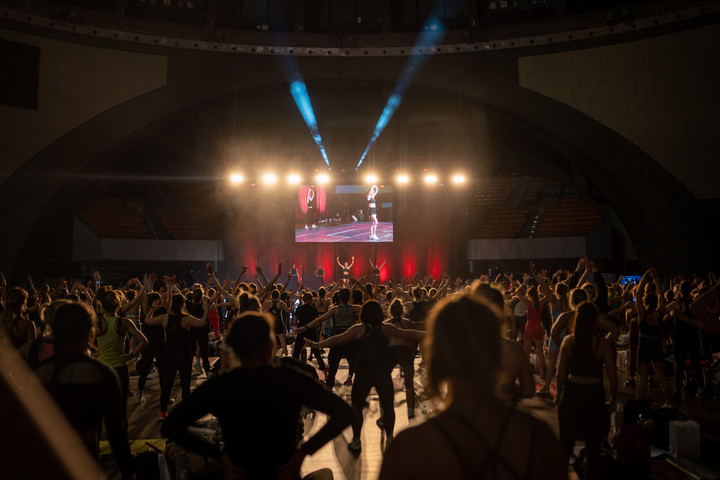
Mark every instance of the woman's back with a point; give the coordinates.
(486, 441)
(88, 392)
(177, 338)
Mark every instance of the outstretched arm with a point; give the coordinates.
(338, 262)
(352, 262)
(350, 335)
(322, 318)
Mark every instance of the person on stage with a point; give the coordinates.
(293, 277)
(372, 211)
(320, 275)
(376, 269)
(310, 202)
(346, 271)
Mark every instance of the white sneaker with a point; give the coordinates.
(306, 227)
(314, 226)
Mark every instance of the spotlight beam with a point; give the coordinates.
(302, 100)
(431, 34)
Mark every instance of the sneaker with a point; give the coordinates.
(314, 226)
(544, 392)
(348, 381)
(355, 446)
(162, 416)
(131, 393)
(306, 227)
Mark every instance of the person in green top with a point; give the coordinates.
(112, 330)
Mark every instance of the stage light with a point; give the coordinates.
(302, 100)
(322, 178)
(431, 34)
(269, 178)
(236, 178)
(371, 179)
(403, 179)
(430, 179)
(294, 179)
(458, 179)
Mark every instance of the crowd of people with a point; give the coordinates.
(484, 344)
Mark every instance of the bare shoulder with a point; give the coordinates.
(413, 454)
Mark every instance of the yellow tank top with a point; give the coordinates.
(111, 345)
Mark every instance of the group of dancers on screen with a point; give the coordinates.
(372, 210)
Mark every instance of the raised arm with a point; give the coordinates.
(199, 322)
(236, 285)
(639, 292)
(138, 298)
(137, 335)
(266, 289)
(338, 262)
(220, 289)
(372, 265)
(352, 262)
(703, 310)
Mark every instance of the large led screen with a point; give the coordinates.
(344, 213)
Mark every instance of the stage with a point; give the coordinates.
(347, 232)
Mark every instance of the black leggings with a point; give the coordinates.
(582, 414)
(299, 346)
(383, 384)
(175, 363)
(198, 336)
(152, 352)
(349, 351)
(124, 389)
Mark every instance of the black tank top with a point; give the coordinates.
(276, 311)
(177, 339)
(372, 350)
(585, 367)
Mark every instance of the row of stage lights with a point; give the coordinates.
(322, 178)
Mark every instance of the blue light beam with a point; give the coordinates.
(302, 100)
(431, 34)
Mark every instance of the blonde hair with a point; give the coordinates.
(463, 345)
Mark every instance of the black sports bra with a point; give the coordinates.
(468, 458)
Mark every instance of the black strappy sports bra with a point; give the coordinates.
(468, 462)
